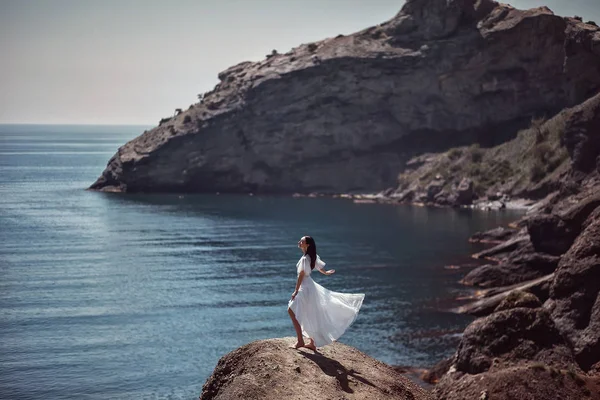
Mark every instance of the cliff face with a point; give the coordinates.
(545, 343)
(346, 113)
(272, 370)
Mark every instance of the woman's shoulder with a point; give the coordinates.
(301, 264)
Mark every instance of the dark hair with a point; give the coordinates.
(311, 250)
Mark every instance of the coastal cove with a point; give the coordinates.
(133, 295)
(442, 156)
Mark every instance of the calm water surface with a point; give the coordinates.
(137, 296)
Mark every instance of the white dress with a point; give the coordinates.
(324, 315)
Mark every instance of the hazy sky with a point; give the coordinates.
(135, 61)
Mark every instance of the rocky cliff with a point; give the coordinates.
(539, 335)
(273, 370)
(347, 113)
(538, 339)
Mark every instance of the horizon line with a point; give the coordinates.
(73, 124)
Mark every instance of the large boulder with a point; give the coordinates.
(510, 337)
(533, 381)
(519, 299)
(273, 370)
(549, 233)
(435, 19)
(575, 294)
(514, 353)
(555, 233)
(464, 194)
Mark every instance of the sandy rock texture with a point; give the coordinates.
(273, 370)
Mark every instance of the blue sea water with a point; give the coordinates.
(138, 296)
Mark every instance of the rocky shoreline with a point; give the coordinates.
(538, 335)
(538, 331)
(485, 204)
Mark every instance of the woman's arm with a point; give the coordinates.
(331, 271)
(298, 283)
(320, 264)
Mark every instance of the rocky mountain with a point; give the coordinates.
(346, 114)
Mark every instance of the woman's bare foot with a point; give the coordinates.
(311, 345)
(299, 344)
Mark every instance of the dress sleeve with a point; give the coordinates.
(306, 264)
(319, 264)
(300, 265)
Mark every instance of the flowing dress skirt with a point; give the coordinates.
(324, 315)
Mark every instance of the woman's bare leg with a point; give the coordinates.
(298, 329)
(311, 345)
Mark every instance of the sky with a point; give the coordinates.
(135, 61)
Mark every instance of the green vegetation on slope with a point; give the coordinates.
(524, 166)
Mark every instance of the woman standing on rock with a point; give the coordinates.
(317, 313)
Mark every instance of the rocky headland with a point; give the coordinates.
(396, 98)
(450, 103)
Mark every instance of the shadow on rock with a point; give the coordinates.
(335, 369)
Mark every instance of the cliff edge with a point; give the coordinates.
(272, 370)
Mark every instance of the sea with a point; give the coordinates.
(137, 296)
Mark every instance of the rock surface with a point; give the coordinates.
(493, 297)
(575, 295)
(508, 337)
(582, 133)
(554, 233)
(494, 236)
(518, 299)
(521, 348)
(520, 268)
(272, 370)
(532, 382)
(516, 352)
(439, 74)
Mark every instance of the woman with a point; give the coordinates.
(318, 313)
